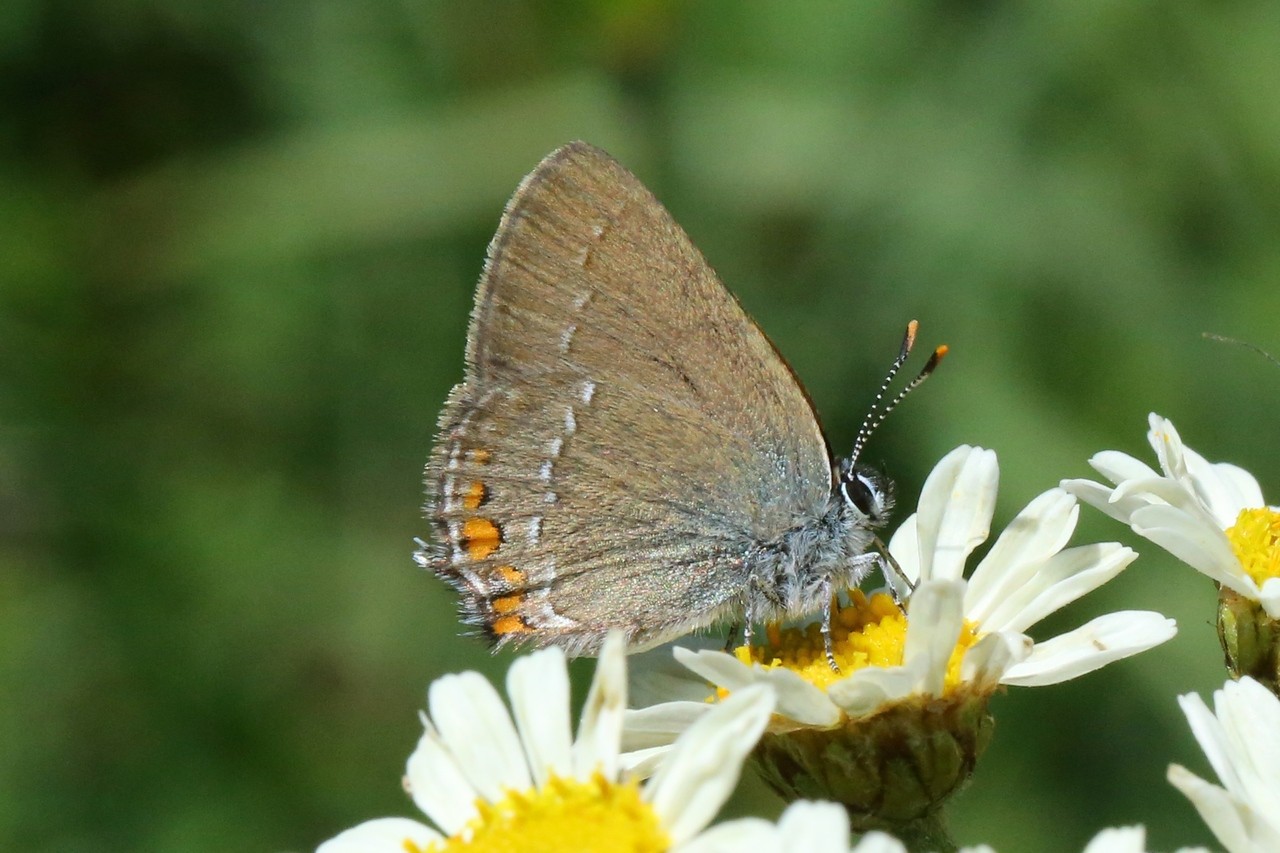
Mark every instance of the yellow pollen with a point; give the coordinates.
(564, 815)
(868, 632)
(1255, 539)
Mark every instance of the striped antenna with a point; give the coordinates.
(876, 415)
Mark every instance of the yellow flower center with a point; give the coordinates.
(564, 815)
(868, 632)
(1255, 538)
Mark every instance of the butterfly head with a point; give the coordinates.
(866, 491)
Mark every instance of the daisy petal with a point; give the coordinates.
(383, 835)
(934, 621)
(867, 690)
(1105, 499)
(1203, 548)
(956, 506)
(475, 726)
(1060, 580)
(1240, 486)
(807, 827)
(1216, 807)
(703, 768)
(1117, 466)
(660, 725)
(1124, 839)
(800, 700)
(905, 548)
(437, 784)
(990, 658)
(1041, 530)
(1269, 597)
(538, 686)
(1103, 640)
(734, 836)
(600, 730)
(879, 842)
(716, 667)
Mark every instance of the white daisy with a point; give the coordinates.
(1209, 515)
(1241, 739)
(957, 640)
(486, 780)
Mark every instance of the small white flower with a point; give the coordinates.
(479, 769)
(1187, 509)
(1241, 739)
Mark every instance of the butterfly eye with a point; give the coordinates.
(863, 493)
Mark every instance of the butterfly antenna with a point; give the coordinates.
(876, 415)
(1223, 339)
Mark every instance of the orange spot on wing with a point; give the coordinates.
(510, 625)
(480, 457)
(476, 494)
(481, 537)
(511, 575)
(508, 603)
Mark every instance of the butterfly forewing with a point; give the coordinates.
(624, 432)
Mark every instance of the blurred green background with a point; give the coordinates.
(238, 244)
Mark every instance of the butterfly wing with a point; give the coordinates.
(624, 432)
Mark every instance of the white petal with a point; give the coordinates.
(1167, 444)
(661, 724)
(1124, 839)
(1059, 581)
(800, 700)
(538, 686)
(1220, 488)
(879, 842)
(987, 661)
(719, 668)
(1096, 644)
(1209, 733)
(1250, 717)
(475, 726)
(1201, 547)
(1240, 486)
(1218, 809)
(1100, 497)
(935, 616)
(703, 768)
(1269, 597)
(867, 690)
(600, 730)
(905, 548)
(1118, 467)
(734, 836)
(807, 827)
(655, 676)
(1041, 530)
(643, 763)
(437, 784)
(956, 505)
(383, 835)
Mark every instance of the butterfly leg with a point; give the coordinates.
(826, 627)
(888, 565)
(731, 641)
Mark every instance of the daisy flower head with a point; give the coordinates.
(493, 780)
(1212, 517)
(1241, 739)
(900, 727)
